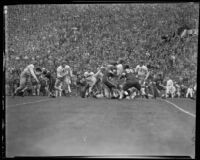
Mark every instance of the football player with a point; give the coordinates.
(51, 82)
(141, 71)
(131, 81)
(64, 73)
(29, 71)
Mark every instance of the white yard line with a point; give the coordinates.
(30, 102)
(180, 108)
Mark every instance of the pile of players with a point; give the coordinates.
(114, 80)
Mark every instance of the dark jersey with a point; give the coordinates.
(48, 75)
(158, 80)
(130, 77)
(109, 74)
(81, 81)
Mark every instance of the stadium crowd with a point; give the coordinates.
(93, 44)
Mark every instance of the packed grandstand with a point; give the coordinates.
(93, 36)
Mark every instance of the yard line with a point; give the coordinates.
(31, 102)
(180, 109)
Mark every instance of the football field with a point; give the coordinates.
(73, 126)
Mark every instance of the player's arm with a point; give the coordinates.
(146, 70)
(147, 75)
(136, 69)
(33, 74)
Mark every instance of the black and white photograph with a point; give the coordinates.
(100, 79)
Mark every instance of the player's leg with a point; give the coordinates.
(22, 85)
(191, 93)
(174, 92)
(91, 86)
(57, 84)
(84, 90)
(167, 91)
(153, 89)
(110, 86)
(61, 89)
(105, 91)
(124, 89)
(15, 84)
(51, 88)
(69, 86)
(38, 89)
(140, 89)
(179, 94)
(188, 90)
(66, 85)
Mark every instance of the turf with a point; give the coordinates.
(67, 126)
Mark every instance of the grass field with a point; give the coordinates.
(73, 126)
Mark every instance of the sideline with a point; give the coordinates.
(180, 109)
(29, 102)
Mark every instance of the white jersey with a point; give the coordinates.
(64, 71)
(27, 70)
(119, 69)
(141, 70)
(170, 83)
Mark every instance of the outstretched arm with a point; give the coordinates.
(33, 74)
(96, 74)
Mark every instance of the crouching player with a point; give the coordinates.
(170, 89)
(29, 71)
(190, 92)
(131, 81)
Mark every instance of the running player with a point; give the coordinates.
(29, 71)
